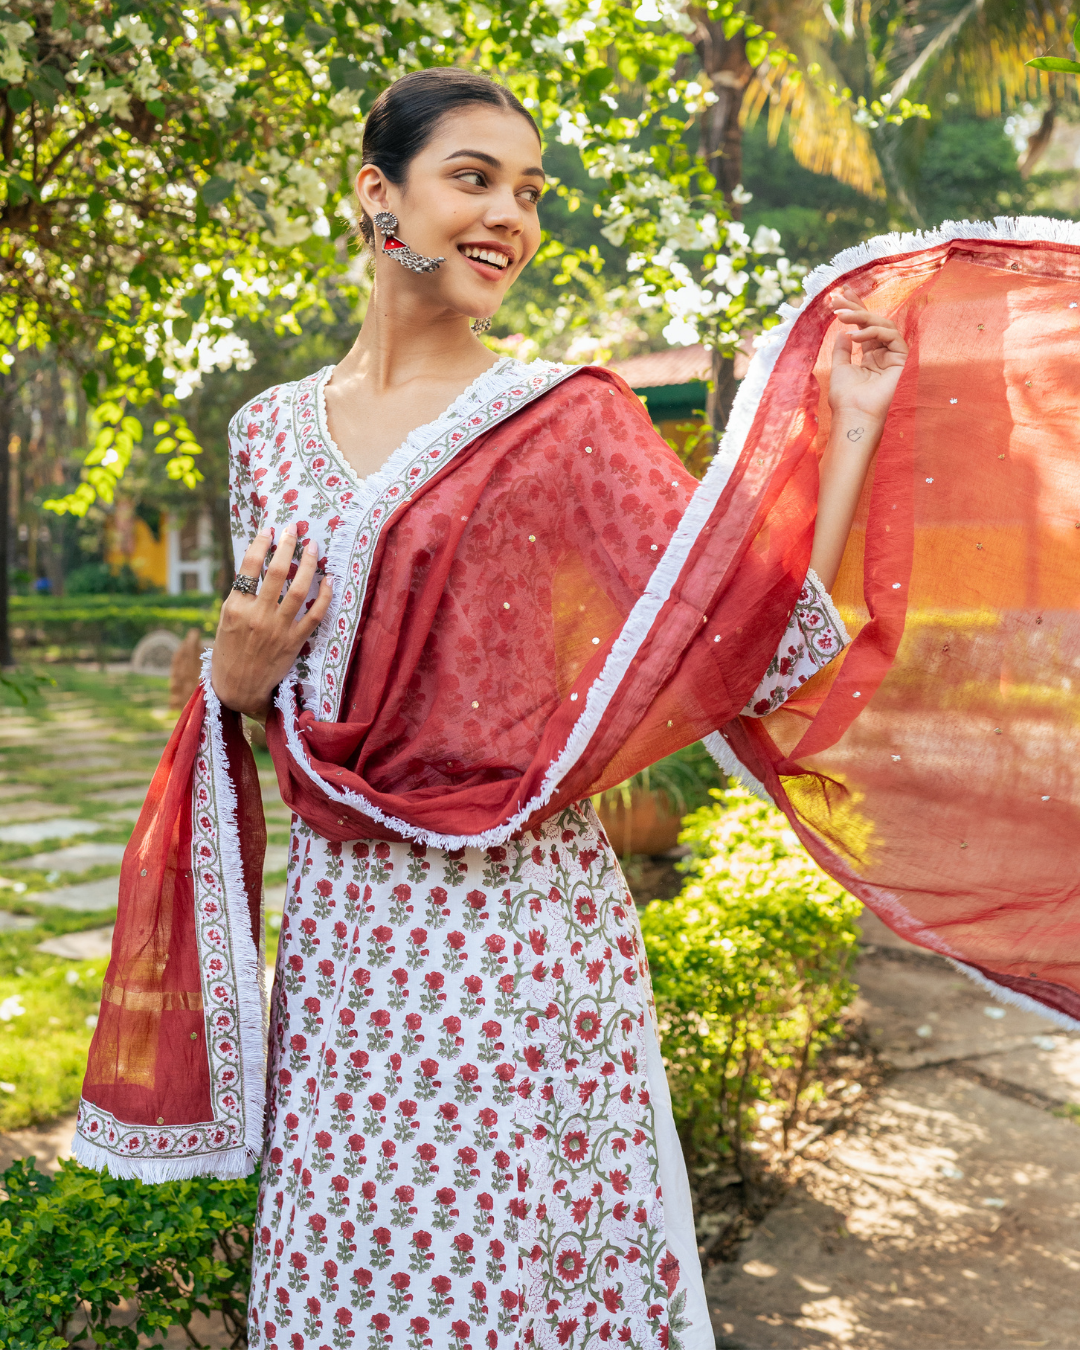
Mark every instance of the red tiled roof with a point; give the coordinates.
(677, 365)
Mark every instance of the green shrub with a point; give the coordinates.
(74, 1245)
(98, 578)
(685, 779)
(750, 970)
(117, 622)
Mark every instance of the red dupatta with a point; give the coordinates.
(932, 768)
(542, 602)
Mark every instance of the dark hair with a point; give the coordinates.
(404, 117)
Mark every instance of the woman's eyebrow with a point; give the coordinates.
(494, 163)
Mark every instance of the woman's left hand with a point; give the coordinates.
(865, 390)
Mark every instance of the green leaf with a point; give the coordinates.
(156, 107)
(19, 99)
(193, 305)
(60, 14)
(143, 275)
(89, 383)
(96, 205)
(596, 81)
(346, 74)
(54, 77)
(294, 21)
(1058, 63)
(317, 35)
(182, 330)
(217, 190)
(756, 50)
(1076, 37)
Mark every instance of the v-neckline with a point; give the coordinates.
(416, 438)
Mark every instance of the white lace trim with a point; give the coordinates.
(480, 389)
(826, 601)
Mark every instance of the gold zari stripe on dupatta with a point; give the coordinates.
(162, 1000)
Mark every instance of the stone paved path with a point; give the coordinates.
(949, 1215)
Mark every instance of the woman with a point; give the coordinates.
(453, 614)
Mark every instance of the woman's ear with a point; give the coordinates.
(371, 190)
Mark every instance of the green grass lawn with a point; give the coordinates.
(105, 725)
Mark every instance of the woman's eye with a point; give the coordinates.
(473, 176)
(532, 196)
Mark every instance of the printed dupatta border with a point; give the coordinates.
(390, 489)
(423, 454)
(235, 1009)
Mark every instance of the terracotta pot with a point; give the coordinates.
(648, 827)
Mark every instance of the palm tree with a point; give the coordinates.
(852, 72)
(854, 62)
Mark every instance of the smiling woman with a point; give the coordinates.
(471, 593)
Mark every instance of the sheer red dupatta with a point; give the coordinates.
(932, 767)
(543, 602)
(174, 1080)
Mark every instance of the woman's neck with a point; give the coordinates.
(403, 339)
(408, 364)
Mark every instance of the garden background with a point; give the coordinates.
(173, 239)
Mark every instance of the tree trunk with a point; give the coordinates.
(722, 390)
(1039, 140)
(7, 403)
(724, 61)
(223, 540)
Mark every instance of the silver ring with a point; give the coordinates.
(246, 585)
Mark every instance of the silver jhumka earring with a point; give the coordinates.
(480, 325)
(387, 224)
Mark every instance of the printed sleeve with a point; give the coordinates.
(814, 636)
(244, 513)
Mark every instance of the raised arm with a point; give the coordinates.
(859, 395)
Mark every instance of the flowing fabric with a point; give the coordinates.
(932, 768)
(534, 601)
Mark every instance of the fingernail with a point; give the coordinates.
(289, 529)
(311, 547)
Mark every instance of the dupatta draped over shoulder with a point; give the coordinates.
(534, 600)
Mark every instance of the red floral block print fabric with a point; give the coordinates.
(464, 1144)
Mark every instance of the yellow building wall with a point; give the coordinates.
(149, 557)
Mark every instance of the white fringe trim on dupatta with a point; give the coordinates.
(1018, 1000)
(248, 956)
(228, 1166)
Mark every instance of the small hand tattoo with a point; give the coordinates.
(855, 434)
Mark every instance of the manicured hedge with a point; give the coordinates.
(104, 622)
(74, 1245)
(751, 967)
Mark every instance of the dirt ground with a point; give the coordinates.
(949, 1214)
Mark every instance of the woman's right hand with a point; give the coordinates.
(260, 636)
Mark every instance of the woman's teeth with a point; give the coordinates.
(485, 255)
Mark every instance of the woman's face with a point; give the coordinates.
(470, 198)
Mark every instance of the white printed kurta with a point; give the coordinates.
(470, 1140)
